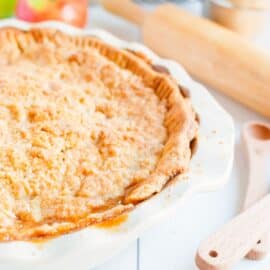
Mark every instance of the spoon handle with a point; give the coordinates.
(234, 240)
(257, 188)
(257, 184)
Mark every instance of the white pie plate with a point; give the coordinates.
(210, 168)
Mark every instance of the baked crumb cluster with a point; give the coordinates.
(86, 132)
(75, 131)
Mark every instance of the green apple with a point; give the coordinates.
(7, 8)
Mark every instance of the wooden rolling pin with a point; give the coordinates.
(212, 54)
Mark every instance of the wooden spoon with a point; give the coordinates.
(234, 240)
(257, 140)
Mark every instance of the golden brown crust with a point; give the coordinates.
(180, 123)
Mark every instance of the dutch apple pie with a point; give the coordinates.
(87, 131)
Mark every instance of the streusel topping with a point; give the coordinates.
(75, 131)
(87, 131)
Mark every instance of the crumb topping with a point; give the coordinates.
(75, 131)
(87, 131)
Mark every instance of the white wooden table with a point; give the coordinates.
(172, 244)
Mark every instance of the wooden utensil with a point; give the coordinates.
(214, 55)
(234, 240)
(256, 136)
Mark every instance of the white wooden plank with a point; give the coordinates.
(172, 245)
(125, 260)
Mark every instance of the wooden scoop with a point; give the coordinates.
(234, 240)
(247, 233)
(257, 140)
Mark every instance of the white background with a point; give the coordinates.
(172, 244)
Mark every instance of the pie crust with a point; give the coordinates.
(88, 131)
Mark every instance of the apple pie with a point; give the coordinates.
(87, 131)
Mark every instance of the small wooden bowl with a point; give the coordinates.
(246, 17)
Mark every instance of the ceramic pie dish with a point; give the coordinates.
(209, 166)
(88, 132)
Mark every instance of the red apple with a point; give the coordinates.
(33, 10)
(70, 11)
